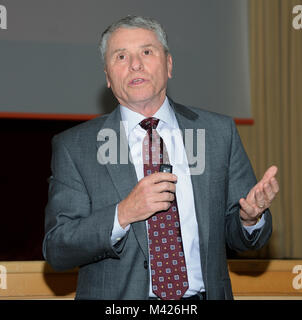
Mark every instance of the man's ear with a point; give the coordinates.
(169, 65)
(107, 79)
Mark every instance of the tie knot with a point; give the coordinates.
(149, 123)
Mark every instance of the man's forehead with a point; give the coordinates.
(122, 38)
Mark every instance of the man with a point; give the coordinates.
(99, 215)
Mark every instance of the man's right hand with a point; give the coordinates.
(153, 193)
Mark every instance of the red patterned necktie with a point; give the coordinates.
(167, 260)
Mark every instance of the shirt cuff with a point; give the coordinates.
(117, 232)
(256, 226)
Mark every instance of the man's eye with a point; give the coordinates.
(147, 52)
(121, 57)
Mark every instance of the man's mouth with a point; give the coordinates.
(137, 81)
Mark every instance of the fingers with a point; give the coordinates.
(163, 201)
(269, 174)
(160, 206)
(248, 209)
(164, 197)
(270, 189)
(249, 214)
(152, 193)
(157, 183)
(161, 176)
(160, 182)
(164, 186)
(265, 190)
(260, 199)
(263, 196)
(260, 196)
(274, 185)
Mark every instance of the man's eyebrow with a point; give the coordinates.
(148, 45)
(118, 50)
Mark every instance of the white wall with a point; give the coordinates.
(49, 61)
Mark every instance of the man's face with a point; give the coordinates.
(137, 68)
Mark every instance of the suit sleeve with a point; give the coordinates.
(74, 234)
(241, 181)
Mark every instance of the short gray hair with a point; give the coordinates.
(130, 22)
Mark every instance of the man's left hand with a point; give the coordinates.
(259, 198)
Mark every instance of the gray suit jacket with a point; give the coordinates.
(83, 195)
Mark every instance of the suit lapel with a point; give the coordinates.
(122, 173)
(187, 119)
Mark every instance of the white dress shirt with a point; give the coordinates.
(167, 128)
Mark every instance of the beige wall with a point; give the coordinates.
(275, 138)
(251, 279)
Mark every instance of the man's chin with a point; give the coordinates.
(145, 105)
(139, 99)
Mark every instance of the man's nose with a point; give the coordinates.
(136, 63)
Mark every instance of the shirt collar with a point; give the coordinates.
(165, 114)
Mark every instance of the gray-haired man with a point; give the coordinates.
(97, 215)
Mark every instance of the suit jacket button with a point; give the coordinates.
(145, 264)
